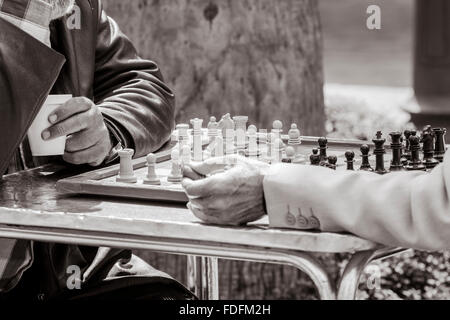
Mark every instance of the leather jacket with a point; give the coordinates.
(96, 61)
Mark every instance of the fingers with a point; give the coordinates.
(200, 188)
(93, 155)
(66, 121)
(83, 140)
(70, 108)
(212, 165)
(191, 174)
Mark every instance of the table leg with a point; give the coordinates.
(192, 282)
(354, 269)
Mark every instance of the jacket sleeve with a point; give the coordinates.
(405, 209)
(28, 70)
(136, 104)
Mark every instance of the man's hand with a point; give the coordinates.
(232, 197)
(88, 139)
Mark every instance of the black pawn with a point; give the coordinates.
(415, 164)
(379, 153)
(439, 149)
(365, 164)
(428, 149)
(323, 146)
(396, 146)
(332, 162)
(315, 158)
(350, 160)
(407, 151)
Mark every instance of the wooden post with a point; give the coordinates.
(257, 58)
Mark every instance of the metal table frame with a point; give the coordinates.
(202, 266)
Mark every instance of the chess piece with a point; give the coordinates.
(428, 149)
(290, 155)
(225, 124)
(277, 128)
(229, 142)
(396, 146)
(315, 157)
(183, 135)
(270, 143)
(415, 164)
(379, 153)
(186, 155)
(213, 128)
(218, 151)
(407, 152)
(126, 171)
(365, 164)
(350, 160)
(332, 162)
(197, 139)
(252, 142)
(323, 146)
(240, 123)
(440, 146)
(277, 151)
(294, 138)
(176, 174)
(152, 178)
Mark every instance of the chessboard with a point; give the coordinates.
(130, 178)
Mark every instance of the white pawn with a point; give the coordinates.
(126, 173)
(290, 154)
(277, 128)
(294, 138)
(213, 129)
(252, 142)
(151, 178)
(176, 174)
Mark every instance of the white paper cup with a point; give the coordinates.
(53, 147)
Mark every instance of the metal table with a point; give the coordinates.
(31, 208)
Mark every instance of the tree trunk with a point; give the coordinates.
(248, 57)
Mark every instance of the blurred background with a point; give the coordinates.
(313, 62)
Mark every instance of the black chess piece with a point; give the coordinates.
(379, 153)
(396, 146)
(332, 162)
(440, 148)
(323, 146)
(415, 164)
(407, 151)
(365, 164)
(350, 160)
(428, 149)
(315, 157)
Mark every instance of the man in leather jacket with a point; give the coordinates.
(118, 98)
